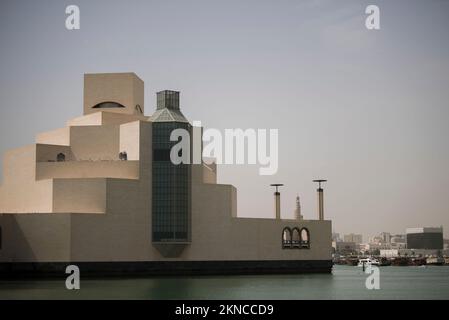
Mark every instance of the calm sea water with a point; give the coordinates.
(345, 282)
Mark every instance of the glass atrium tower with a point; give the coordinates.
(171, 208)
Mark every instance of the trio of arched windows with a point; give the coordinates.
(295, 238)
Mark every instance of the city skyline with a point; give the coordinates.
(367, 239)
(366, 110)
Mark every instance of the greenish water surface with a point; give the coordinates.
(345, 282)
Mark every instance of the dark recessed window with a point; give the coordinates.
(123, 156)
(108, 104)
(171, 207)
(60, 157)
(0, 237)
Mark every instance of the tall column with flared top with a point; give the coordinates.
(277, 200)
(320, 199)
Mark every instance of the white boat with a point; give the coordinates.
(436, 261)
(368, 262)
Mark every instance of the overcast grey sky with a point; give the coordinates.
(368, 110)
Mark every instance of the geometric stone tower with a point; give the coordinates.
(113, 92)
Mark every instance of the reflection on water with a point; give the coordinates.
(344, 283)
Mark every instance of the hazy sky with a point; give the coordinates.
(367, 110)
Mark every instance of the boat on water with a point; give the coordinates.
(368, 262)
(435, 261)
(384, 262)
(352, 262)
(400, 261)
(419, 262)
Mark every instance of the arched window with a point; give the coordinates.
(60, 157)
(286, 238)
(108, 104)
(296, 238)
(123, 155)
(305, 238)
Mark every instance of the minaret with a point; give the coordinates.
(298, 215)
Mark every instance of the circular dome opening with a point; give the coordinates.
(108, 104)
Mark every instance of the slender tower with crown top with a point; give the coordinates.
(298, 215)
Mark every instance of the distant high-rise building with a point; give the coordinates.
(425, 238)
(398, 239)
(343, 247)
(445, 243)
(335, 236)
(386, 237)
(298, 215)
(356, 238)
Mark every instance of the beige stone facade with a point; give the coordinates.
(91, 206)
